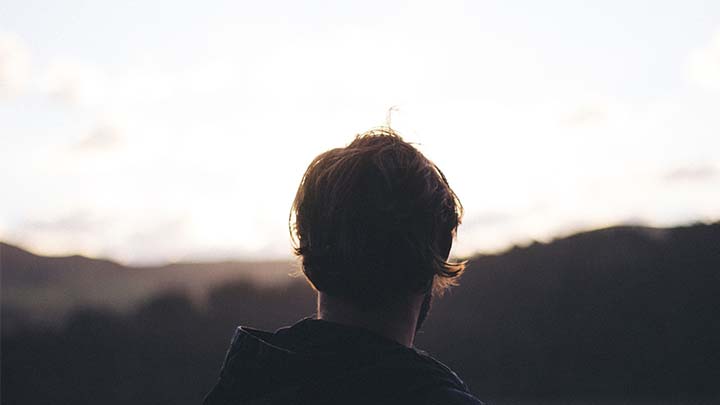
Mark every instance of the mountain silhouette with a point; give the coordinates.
(46, 289)
(614, 315)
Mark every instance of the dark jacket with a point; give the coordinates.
(321, 362)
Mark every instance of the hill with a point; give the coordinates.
(617, 315)
(613, 312)
(46, 289)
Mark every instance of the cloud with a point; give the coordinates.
(165, 239)
(69, 233)
(14, 65)
(103, 137)
(587, 116)
(76, 222)
(158, 232)
(73, 83)
(703, 65)
(128, 238)
(69, 82)
(692, 173)
(488, 219)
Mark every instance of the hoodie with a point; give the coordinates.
(322, 362)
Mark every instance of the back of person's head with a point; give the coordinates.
(374, 222)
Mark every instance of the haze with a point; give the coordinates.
(156, 131)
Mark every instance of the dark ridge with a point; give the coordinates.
(619, 315)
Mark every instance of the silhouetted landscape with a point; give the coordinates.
(619, 315)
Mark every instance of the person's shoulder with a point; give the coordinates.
(450, 390)
(441, 367)
(445, 395)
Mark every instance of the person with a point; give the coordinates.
(373, 223)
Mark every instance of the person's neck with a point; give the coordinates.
(397, 322)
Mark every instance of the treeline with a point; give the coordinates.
(616, 314)
(167, 351)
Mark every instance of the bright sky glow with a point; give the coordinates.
(153, 131)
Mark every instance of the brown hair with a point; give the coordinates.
(373, 222)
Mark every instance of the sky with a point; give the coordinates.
(158, 131)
